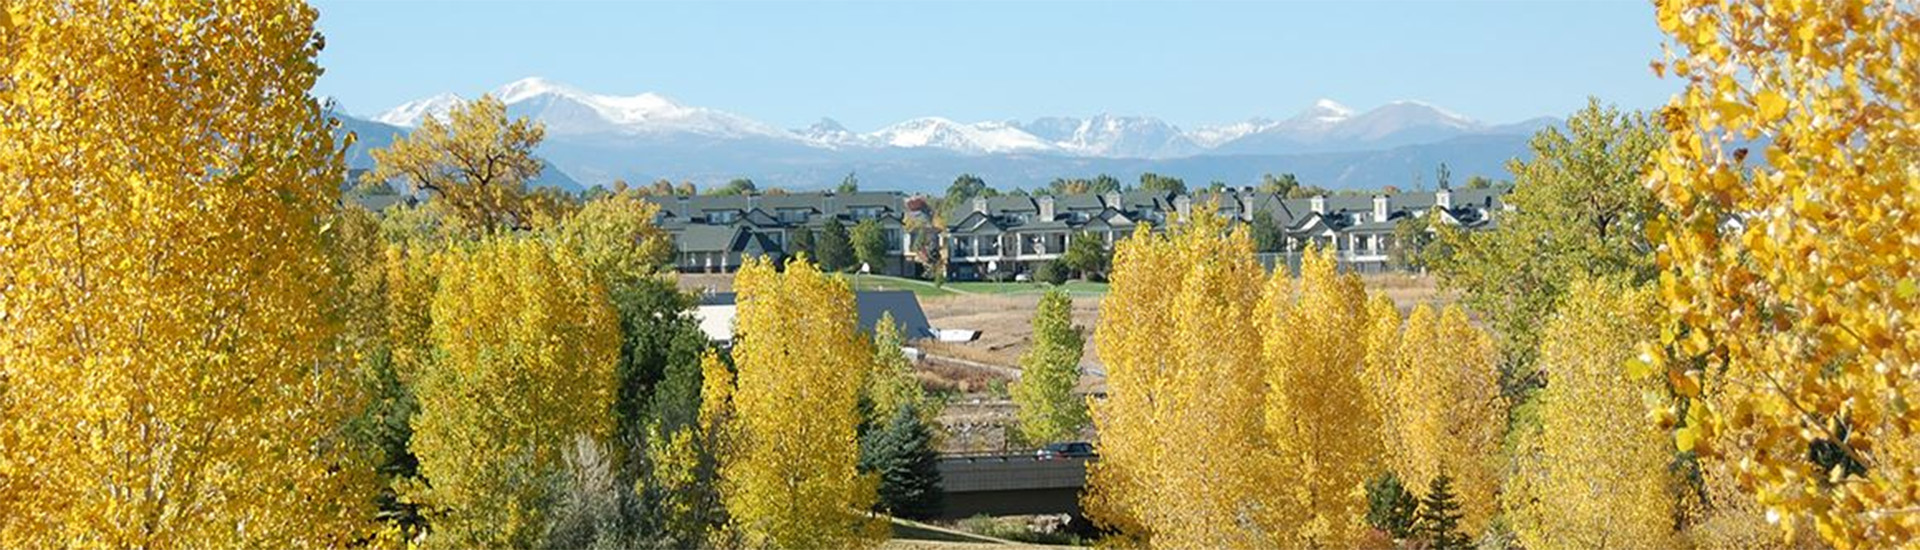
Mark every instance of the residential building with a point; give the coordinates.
(1007, 235)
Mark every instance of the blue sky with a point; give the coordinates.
(868, 64)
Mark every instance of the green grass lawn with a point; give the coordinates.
(1075, 287)
(925, 289)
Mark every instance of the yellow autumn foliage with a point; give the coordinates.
(1181, 446)
(476, 162)
(169, 370)
(788, 473)
(1790, 279)
(525, 342)
(1319, 411)
(1596, 475)
(1448, 411)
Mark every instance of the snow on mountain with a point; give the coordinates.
(974, 139)
(1113, 136)
(600, 122)
(830, 134)
(570, 111)
(412, 113)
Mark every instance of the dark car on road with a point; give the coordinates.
(1076, 449)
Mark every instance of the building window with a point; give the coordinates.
(722, 216)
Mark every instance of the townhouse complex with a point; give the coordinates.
(1012, 234)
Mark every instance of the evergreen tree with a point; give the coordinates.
(1267, 234)
(802, 243)
(901, 453)
(834, 248)
(1439, 520)
(1390, 506)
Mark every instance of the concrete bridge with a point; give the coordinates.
(1011, 484)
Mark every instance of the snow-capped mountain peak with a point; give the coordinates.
(414, 112)
(977, 138)
(1330, 109)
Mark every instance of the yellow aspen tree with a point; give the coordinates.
(1182, 453)
(788, 477)
(1790, 277)
(169, 376)
(892, 385)
(477, 161)
(526, 343)
(1048, 410)
(1448, 416)
(1597, 476)
(617, 237)
(1324, 428)
(1382, 372)
(1320, 412)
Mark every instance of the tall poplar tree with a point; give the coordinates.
(1049, 411)
(526, 344)
(1448, 410)
(1182, 449)
(788, 476)
(1596, 474)
(169, 376)
(1319, 411)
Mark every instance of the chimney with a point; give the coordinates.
(980, 205)
(682, 201)
(1443, 198)
(1380, 208)
(1184, 206)
(1319, 203)
(1046, 208)
(1113, 200)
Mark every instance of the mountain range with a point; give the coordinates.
(595, 138)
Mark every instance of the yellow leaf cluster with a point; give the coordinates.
(477, 162)
(1596, 475)
(1789, 285)
(788, 474)
(1320, 414)
(615, 234)
(168, 367)
(1448, 413)
(525, 341)
(1236, 414)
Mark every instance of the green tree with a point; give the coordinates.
(1438, 522)
(834, 246)
(1267, 234)
(891, 385)
(1391, 508)
(960, 195)
(738, 186)
(802, 243)
(1282, 185)
(1410, 239)
(1052, 272)
(849, 184)
(1579, 210)
(1150, 181)
(900, 451)
(869, 243)
(1479, 182)
(1048, 409)
(1087, 255)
